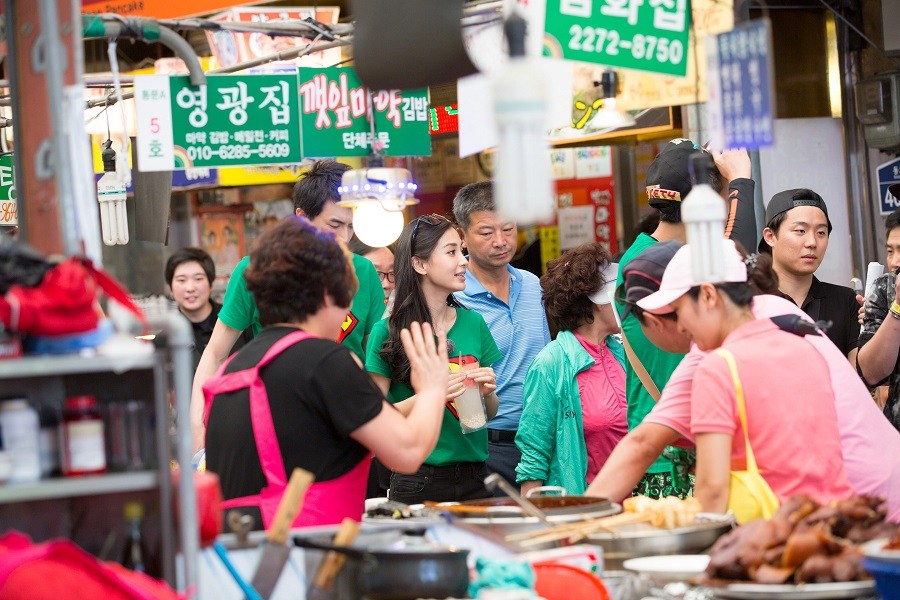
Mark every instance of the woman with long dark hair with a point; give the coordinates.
(429, 266)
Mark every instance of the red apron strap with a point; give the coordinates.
(267, 448)
(223, 383)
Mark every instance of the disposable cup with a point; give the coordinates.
(470, 408)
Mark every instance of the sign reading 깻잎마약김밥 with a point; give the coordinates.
(648, 35)
(233, 120)
(333, 112)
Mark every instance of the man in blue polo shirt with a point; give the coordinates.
(509, 299)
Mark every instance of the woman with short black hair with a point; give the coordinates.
(315, 402)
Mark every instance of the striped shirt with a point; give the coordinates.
(522, 320)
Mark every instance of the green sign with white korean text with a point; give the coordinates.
(333, 113)
(234, 120)
(648, 35)
(8, 207)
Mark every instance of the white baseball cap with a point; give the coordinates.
(678, 277)
(609, 274)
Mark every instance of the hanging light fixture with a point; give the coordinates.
(703, 214)
(111, 196)
(608, 117)
(378, 197)
(523, 185)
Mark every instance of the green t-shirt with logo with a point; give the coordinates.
(659, 363)
(473, 345)
(239, 310)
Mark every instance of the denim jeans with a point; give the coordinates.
(503, 458)
(446, 483)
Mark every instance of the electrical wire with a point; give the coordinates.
(857, 30)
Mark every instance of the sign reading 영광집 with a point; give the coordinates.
(648, 35)
(334, 108)
(9, 214)
(234, 120)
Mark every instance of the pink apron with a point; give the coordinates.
(326, 502)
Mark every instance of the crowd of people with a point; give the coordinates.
(327, 353)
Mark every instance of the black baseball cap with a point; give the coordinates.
(785, 201)
(668, 178)
(642, 275)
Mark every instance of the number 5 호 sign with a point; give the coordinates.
(233, 120)
(648, 35)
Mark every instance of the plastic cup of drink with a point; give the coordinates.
(470, 408)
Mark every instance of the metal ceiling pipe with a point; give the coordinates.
(147, 30)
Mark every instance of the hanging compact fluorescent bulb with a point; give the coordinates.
(608, 117)
(703, 213)
(111, 196)
(523, 187)
(378, 197)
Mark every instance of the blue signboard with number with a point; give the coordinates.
(888, 175)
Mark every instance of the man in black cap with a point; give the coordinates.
(878, 362)
(796, 235)
(651, 362)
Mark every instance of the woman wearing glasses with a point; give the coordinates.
(574, 408)
(383, 259)
(429, 267)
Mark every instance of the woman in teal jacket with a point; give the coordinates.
(574, 408)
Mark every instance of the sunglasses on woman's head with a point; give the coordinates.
(433, 219)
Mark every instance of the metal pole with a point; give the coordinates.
(859, 200)
(55, 57)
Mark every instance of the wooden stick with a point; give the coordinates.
(583, 529)
(600, 523)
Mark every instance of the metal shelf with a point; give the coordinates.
(79, 486)
(49, 366)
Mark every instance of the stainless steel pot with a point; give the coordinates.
(405, 574)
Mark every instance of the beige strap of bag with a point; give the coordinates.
(640, 370)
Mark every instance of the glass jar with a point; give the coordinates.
(83, 447)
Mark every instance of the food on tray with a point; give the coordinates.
(667, 513)
(894, 542)
(803, 542)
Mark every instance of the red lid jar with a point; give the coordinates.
(83, 448)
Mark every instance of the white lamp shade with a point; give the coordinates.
(375, 226)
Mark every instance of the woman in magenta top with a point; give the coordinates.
(790, 403)
(574, 409)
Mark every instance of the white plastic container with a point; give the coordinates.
(21, 431)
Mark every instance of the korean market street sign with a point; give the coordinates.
(8, 208)
(333, 109)
(741, 102)
(234, 120)
(647, 35)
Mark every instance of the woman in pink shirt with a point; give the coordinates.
(791, 416)
(573, 411)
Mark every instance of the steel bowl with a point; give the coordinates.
(641, 539)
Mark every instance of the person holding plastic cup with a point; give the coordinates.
(429, 266)
(574, 409)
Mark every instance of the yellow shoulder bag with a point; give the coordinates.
(750, 496)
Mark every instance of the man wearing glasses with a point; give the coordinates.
(315, 197)
(649, 366)
(509, 299)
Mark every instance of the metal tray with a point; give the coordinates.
(641, 539)
(804, 591)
